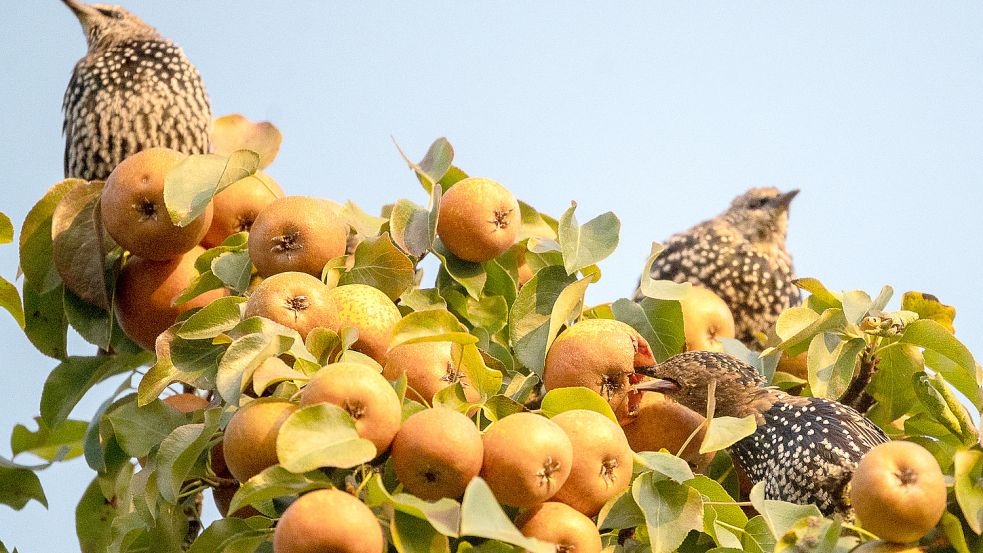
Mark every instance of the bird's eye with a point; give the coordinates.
(108, 12)
(757, 203)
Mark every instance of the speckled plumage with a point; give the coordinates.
(741, 256)
(804, 449)
(133, 90)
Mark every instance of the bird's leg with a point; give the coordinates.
(856, 395)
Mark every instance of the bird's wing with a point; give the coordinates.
(863, 433)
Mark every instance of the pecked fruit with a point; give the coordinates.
(145, 293)
(600, 354)
(479, 219)
(527, 459)
(133, 211)
(296, 233)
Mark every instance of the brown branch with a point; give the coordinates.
(856, 395)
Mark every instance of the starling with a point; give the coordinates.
(804, 449)
(740, 255)
(133, 90)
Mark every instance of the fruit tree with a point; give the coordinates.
(432, 379)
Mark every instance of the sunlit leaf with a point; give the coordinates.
(723, 432)
(470, 275)
(665, 465)
(236, 132)
(587, 244)
(380, 264)
(660, 322)
(434, 325)
(831, 363)
(671, 511)
(61, 442)
(567, 399)
(321, 435)
(191, 184)
(530, 317)
(79, 244)
(969, 492)
(276, 481)
(780, 515)
(482, 517)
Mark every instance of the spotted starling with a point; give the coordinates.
(804, 449)
(133, 90)
(739, 254)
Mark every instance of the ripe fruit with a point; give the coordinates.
(796, 365)
(186, 403)
(436, 453)
(479, 219)
(222, 495)
(237, 206)
(327, 520)
(133, 210)
(364, 393)
(663, 423)
(369, 311)
(295, 300)
(898, 491)
(599, 354)
(145, 292)
(527, 459)
(250, 437)
(602, 460)
(558, 523)
(429, 368)
(706, 319)
(296, 233)
(878, 546)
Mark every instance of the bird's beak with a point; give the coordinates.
(660, 385)
(783, 200)
(84, 12)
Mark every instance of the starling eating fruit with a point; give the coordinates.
(740, 255)
(804, 449)
(133, 90)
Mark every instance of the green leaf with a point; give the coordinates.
(482, 517)
(969, 487)
(588, 244)
(234, 269)
(719, 511)
(94, 520)
(62, 442)
(181, 450)
(891, 384)
(856, 305)
(228, 535)
(193, 362)
(321, 435)
(192, 183)
(831, 364)
(498, 407)
(234, 132)
(10, 300)
(660, 322)
(362, 223)
(797, 325)
(757, 536)
(434, 165)
(202, 283)
(723, 432)
(780, 516)
(434, 325)
(6, 229)
(568, 399)
(422, 299)
(35, 238)
(936, 406)
(933, 336)
(71, 379)
(567, 308)
(444, 514)
(92, 323)
(660, 289)
(380, 264)
(952, 528)
(529, 319)
(929, 307)
(488, 312)
(671, 511)
(276, 481)
(619, 513)
(967, 383)
(414, 535)
(218, 317)
(470, 275)
(45, 323)
(140, 429)
(535, 224)
(468, 359)
(665, 465)
(821, 298)
(18, 486)
(79, 244)
(414, 228)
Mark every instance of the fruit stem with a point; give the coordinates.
(690, 438)
(859, 531)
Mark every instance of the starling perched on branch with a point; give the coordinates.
(804, 449)
(133, 90)
(740, 255)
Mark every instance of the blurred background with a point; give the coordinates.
(660, 112)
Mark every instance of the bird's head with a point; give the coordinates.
(686, 378)
(105, 25)
(761, 214)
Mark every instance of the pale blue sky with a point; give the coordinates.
(661, 112)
